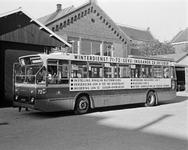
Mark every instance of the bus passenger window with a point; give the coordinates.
(124, 71)
(63, 72)
(146, 71)
(157, 71)
(136, 71)
(110, 70)
(52, 68)
(95, 70)
(166, 72)
(78, 69)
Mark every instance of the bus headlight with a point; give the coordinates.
(16, 91)
(16, 98)
(32, 100)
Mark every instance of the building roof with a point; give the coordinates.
(137, 34)
(6, 28)
(177, 56)
(56, 15)
(130, 32)
(60, 13)
(182, 36)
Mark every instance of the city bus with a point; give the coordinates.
(61, 81)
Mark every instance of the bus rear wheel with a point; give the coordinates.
(150, 99)
(82, 105)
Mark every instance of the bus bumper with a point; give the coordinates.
(18, 104)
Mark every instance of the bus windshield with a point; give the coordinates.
(26, 74)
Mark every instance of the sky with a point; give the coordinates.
(165, 18)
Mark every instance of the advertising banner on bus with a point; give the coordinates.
(85, 84)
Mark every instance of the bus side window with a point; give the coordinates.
(136, 71)
(63, 72)
(157, 71)
(110, 70)
(78, 69)
(124, 71)
(95, 70)
(146, 71)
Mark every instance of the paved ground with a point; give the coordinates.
(131, 127)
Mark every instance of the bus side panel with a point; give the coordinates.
(58, 98)
(124, 96)
(59, 105)
(166, 94)
(57, 92)
(110, 98)
(138, 96)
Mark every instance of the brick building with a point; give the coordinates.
(92, 31)
(180, 41)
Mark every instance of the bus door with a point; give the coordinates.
(57, 80)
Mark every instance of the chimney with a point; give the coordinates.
(58, 7)
(93, 1)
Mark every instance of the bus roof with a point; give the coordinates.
(106, 59)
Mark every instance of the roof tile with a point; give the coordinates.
(182, 36)
(136, 34)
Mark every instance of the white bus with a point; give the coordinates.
(61, 81)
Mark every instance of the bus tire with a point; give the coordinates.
(82, 105)
(150, 99)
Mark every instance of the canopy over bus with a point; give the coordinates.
(19, 26)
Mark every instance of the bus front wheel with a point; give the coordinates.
(150, 99)
(82, 105)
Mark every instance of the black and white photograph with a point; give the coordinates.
(94, 74)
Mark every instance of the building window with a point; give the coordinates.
(61, 26)
(57, 28)
(71, 19)
(64, 25)
(78, 16)
(107, 49)
(86, 47)
(68, 21)
(92, 20)
(90, 47)
(75, 18)
(74, 42)
(95, 48)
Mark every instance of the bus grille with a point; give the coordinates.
(24, 91)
